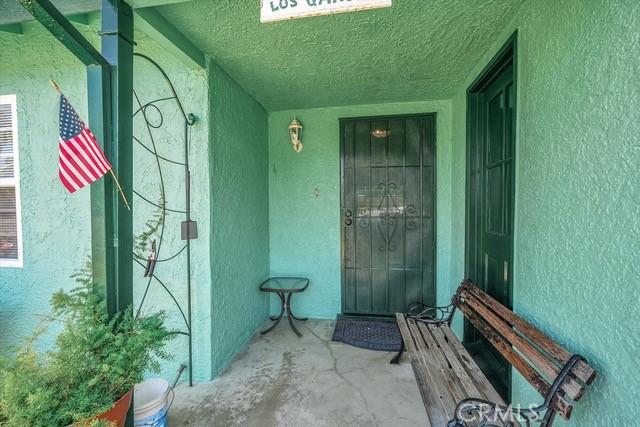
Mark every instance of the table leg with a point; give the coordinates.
(289, 315)
(302, 319)
(278, 318)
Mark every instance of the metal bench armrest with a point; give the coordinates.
(434, 315)
(492, 413)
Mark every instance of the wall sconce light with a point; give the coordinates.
(295, 133)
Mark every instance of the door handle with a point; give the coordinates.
(348, 222)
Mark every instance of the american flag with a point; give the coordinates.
(81, 159)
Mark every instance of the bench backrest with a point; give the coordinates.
(537, 357)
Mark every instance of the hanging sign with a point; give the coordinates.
(277, 10)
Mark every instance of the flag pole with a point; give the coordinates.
(55, 87)
(115, 178)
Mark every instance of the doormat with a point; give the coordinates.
(369, 334)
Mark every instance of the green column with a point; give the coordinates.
(117, 49)
(116, 220)
(102, 229)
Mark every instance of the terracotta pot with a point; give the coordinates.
(118, 412)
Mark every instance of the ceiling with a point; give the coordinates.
(415, 50)
(12, 12)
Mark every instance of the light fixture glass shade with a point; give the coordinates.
(380, 133)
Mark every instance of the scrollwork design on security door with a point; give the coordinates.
(384, 206)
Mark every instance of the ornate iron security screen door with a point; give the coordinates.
(387, 213)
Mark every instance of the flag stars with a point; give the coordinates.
(70, 123)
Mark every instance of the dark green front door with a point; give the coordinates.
(490, 196)
(387, 213)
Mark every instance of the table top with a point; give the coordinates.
(284, 284)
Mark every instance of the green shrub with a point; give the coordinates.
(95, 361)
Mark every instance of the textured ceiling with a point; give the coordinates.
(415, 50)
(12, 11)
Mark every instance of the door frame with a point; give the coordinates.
(506, 55)
(435, 199)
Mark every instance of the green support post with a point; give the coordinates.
(117, 48)
(102, 230)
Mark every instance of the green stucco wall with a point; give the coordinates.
(50, 215)
(239, 255)
(577, 195)
(49, 255)
(304, 230)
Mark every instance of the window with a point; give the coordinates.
(10, 221)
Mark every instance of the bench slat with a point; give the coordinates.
(539, 383)
(437, 379)
(429, 397)
(582, 371)
(544, 364)
(472, 367)
(454, 350)
(464, 378)
(449, 378)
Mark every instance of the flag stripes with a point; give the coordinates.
(81, 160)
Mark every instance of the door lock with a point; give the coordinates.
(347, 214)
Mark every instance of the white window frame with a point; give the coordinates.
(14, 182)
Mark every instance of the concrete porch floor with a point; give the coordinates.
(283, 380)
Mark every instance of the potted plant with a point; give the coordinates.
(88, 377)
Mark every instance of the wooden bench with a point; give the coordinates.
(454, 389)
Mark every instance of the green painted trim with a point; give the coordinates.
(391, 116)
(506, 55)
(82, 18)
(152, 23)
(11, 28)
(136, 4)
(47, 14)
(507, 50)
